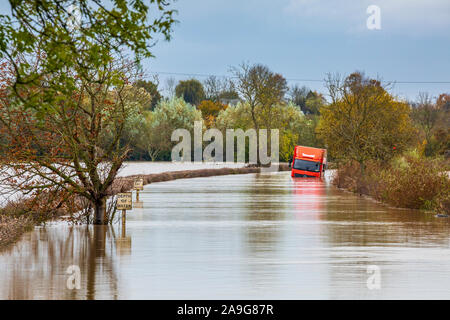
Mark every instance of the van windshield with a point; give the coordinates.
(307, 165)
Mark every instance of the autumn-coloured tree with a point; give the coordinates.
(443, 102)
(363, 121)
(63, 110)
(294, 128)
(75, 149)
(210, 111)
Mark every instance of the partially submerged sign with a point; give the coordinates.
(139, 184)
(124, 201)
(138, 205)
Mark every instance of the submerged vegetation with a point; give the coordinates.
(11, 228)
(405, 182)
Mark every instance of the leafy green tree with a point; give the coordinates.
(162, 121)
(191, 91)
(136, 100)
(307, 100)
(235, 117)
(152, 89)
(294, 127)
(287, 118)
(314, 102)
(288, 141)
(230, 94)
(308, 136)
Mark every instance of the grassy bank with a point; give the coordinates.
(406, 182)
(16, 217)
(11, 228)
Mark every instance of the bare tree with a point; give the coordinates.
(298, 95)
(216, 88)
(170, 86)
(425, 114)
(261, 89)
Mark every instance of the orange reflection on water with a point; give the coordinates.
(309, 197)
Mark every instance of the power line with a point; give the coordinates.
(190, 74)
(288, 79)
(219, 76)
(421, 82)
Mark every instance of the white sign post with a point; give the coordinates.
(138, 185)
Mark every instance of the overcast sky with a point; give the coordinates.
(305, 39)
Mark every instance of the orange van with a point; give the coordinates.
(308, 162)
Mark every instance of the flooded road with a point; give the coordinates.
(255, 236)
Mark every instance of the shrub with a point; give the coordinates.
(419, 185)
(406, 182)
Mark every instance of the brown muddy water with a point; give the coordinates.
(255, 236)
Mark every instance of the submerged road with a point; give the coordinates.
(254, 236)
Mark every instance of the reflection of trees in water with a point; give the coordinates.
(361, 232)
(36, 266)
(362, 222)
(263, 207)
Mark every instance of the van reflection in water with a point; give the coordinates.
(309, 194)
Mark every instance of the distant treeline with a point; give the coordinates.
(259, 98)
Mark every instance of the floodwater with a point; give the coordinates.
(254, 236)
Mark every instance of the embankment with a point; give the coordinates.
(11, 228)
(124, 184)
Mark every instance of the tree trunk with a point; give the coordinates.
(100, 211)
(255, 124)
(362, 167)
(258, 161)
